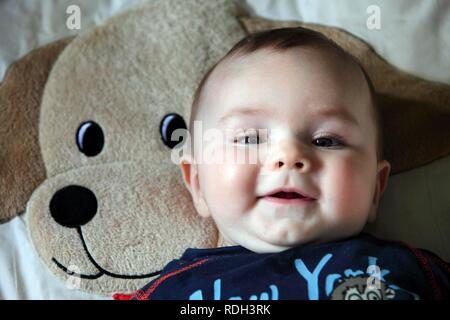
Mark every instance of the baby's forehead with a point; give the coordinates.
(261, 59)
(267, 62)
(307, 65)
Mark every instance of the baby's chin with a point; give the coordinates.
(282, 237)
(293, 233)
(266, 245)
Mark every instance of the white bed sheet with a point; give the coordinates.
(24, 276)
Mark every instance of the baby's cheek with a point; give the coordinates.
(230, 188)
(350, 188)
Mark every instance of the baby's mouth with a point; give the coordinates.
(289, 197)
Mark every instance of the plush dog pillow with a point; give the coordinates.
(89, 167)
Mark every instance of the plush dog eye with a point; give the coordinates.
(90, 138)
(169, 124)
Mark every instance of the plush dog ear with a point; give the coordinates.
(21, 165)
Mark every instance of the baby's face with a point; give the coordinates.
(320, 140)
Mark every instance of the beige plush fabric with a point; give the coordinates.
(21, 165)
(415, 112)
(125, 75)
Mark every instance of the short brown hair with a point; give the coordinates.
(283, 39)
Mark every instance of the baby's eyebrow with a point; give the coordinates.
(339, 113)
(321, 113)
(245, 112)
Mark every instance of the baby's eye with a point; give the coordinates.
(249, 138)
(326, 142)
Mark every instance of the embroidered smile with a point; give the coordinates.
(100, 269)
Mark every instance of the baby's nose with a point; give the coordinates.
(289, 154)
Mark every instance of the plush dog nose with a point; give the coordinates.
(73, 206)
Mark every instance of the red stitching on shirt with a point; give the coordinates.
(145, 295)
(123, 296)
(445, 266)
(429, 272)
(424, 265)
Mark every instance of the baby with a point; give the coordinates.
(291, 220)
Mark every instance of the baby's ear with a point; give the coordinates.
(383, 171)
(191, 179)
(187, 167)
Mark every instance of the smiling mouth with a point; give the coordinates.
(290, 198)
(100, 269)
